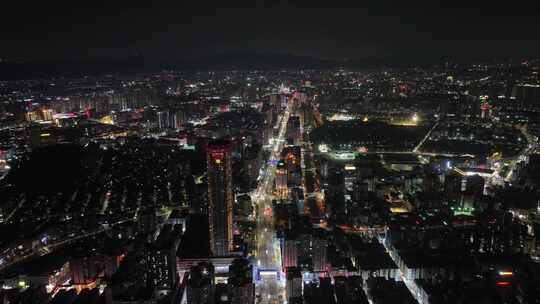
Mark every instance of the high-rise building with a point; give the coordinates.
(241, 287)
(293, 130)
(268, 114)
(220, 196)
(306, 116)
(4, 160)
(161, 258)
(163, 120)
(147, 221)
(453, 186)
(336, 191)
(475, 185)
(47, 114)
(319, 245)
(252, 162)
(304, 244)
(178, 118)
(430, 180)
(290, 251)
(32, 116)
(83, 272)
(527, 94)
(200, 285)
(360, 191)
(294, 283)
(275, 100)
(281, 180)
(485, 110)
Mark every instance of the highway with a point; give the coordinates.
(415, 150)
(271, 287)
(532, 145)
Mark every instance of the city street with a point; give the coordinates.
(271, 288)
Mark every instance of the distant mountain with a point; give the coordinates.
(225, 61)
(47, 69)
(252, 60)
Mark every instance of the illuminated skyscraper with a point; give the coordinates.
(163, 120)
(486, 111)
(281, 180)
(220, 196)
(289, 251)
(47, 114)
(32, 116)
(178, 118)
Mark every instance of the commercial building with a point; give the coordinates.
(281, 180)
(220, 197)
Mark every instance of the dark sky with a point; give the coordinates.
(172, 30)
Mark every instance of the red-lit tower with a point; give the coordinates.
(484, 107)
(485, 110)
(220, 196)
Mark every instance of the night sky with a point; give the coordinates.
(178, 30)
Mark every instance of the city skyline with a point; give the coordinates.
(314, 186)
(270, 152)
